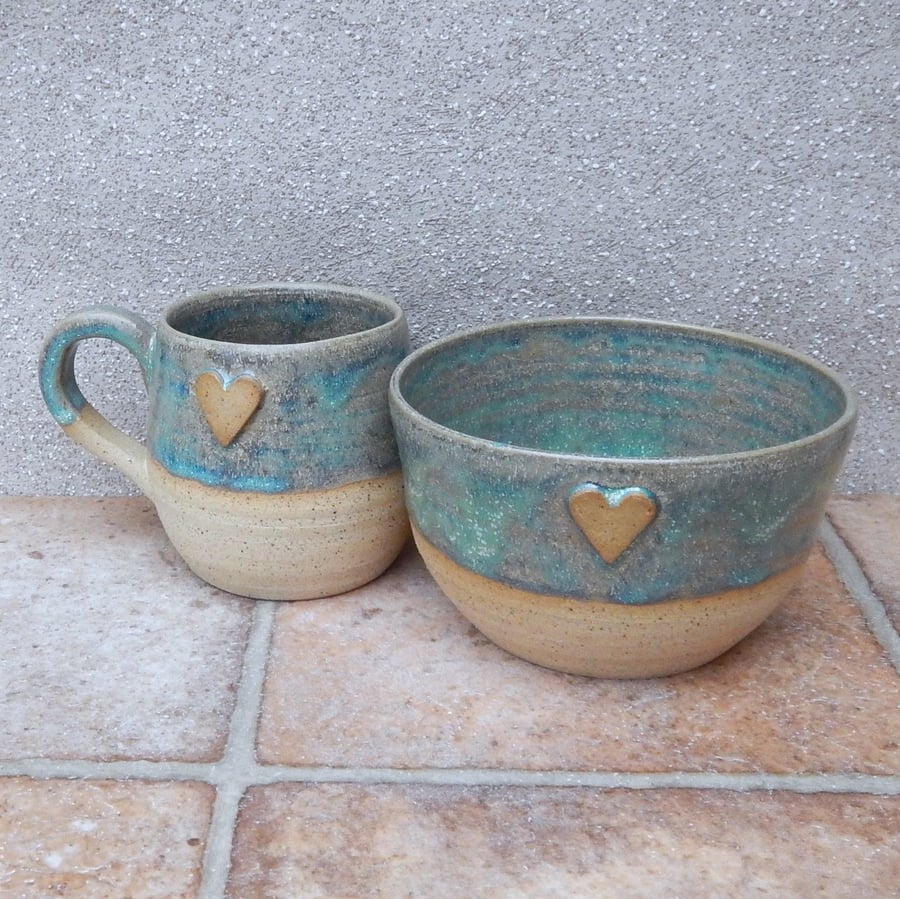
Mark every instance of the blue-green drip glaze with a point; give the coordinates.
(64, 398)
(619, 396)
(681, 414)
(57, 376)
(314, 429)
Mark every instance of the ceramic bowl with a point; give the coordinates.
(616, 497)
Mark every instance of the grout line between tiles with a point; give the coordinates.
(796, 783)
(232, 783)
(239, 758)
(854, 579)
(132, 769)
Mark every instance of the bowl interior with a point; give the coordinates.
(618, 388)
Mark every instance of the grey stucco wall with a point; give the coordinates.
(726, 163)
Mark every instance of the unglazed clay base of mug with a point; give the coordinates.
(299, 545)
(604, 639)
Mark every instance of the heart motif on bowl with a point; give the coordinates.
(612, 518)
(228, 403)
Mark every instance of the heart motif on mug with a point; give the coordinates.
(612, 518)
(227, 403)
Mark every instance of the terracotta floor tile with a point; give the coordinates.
(871, 527)
(110, 647)
(418, 841)
(102, 839)
(391, 675)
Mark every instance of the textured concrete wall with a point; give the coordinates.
(728, 163)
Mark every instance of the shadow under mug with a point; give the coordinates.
(270, 455)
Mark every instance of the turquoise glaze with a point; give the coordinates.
(323, 354)
(335, 421)
(737, 440)
(57, 375)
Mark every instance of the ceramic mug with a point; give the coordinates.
(269, 456)
(616, 497)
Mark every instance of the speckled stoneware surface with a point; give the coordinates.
(616, 497)
(270, 455)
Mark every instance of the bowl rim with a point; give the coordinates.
(846, 420)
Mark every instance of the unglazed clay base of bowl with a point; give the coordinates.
(297, 545)
(604, 639)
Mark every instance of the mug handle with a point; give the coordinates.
(67, 404)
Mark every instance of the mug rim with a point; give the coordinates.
(846, 419)
(320, 288)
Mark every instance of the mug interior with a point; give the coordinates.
(620, 388)
(279, 315)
